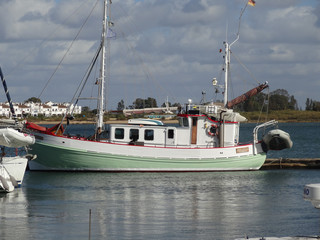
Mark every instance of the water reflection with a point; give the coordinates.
(13, 215)
(160, 205)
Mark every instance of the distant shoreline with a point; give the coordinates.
(164, 121)
(91, 122)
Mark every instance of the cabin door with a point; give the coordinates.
(170, 137)
(194, 130)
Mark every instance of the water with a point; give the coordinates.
(224, 205)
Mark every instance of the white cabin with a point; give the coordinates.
(197, 129)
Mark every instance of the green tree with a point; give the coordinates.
(278, 102)
(281, 100)
(33, 99)
(293, 105)
(309, 104)
(316, 106)
(140, 103)
(121, 105)
(86, 109)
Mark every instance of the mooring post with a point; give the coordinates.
(89, 224)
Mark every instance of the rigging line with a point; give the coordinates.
(82, 83)
(250, 73)
(46, 39)
(86, 77)
(64, 56)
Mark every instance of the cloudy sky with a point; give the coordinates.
(163, 48)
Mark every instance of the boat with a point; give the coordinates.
(207, 138)
(12, 168)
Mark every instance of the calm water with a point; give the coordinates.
(225, 205)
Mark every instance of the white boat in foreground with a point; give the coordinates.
(207, 138)
(12, 168)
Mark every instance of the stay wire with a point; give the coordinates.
(81, 85)
(250, 73)
(28, 54)
(64, 56)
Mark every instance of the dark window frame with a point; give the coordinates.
(148, 134)
(134, 134)
(171, 133)
(119, 133)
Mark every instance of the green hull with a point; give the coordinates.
(50, 157)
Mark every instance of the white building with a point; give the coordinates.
(47, 109)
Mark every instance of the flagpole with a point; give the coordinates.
(238, 33)
(227, 56)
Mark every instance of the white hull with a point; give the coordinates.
(12, 170)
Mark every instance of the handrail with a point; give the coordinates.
(257, 128)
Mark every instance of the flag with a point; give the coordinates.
(110, 33)
(252, 2)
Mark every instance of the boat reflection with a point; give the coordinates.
(157, 205)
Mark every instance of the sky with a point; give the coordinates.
(163, 48)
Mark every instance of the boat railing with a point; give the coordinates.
(256, 130)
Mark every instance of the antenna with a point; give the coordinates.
(238, 33)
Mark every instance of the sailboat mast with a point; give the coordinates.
(8, 95)
(102, 68)
(226, 72)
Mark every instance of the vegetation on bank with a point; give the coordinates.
(284, 116)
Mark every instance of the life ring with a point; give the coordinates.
(213, 130)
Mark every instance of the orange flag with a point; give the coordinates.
(252, 2)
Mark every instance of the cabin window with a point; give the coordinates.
(148, 135)
(119, 133)
(171, 133)
(134, 134)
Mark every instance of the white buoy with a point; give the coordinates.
(311, 192)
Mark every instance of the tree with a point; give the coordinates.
(293, 105)
(252, 104)
(140, 103)
(33, 99)
(151, 103)
(309, 104)
(121, 105)
(278, 102)
(316, 106)
(86, 109)
(279, 99)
